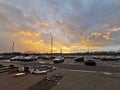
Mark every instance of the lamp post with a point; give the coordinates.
(88, 48)
(13, 47)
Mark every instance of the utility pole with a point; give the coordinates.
(51, 44)
(61, 50)
(88, 45)
(88, 48)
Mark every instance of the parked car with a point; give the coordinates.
(89, 60)
(58, 59)
(45, 57)
(114, 58)
(105, 58)
(24, 58)
(79, 59)
(39, 72)
(14, 58)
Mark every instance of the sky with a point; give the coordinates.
(75, 25)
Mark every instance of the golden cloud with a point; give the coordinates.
(107, 36)
(31, 41)
(27, 33)
(114, 29)
(96, 34)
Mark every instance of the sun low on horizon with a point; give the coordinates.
(73, 25)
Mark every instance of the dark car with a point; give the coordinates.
(79, 59)
(89, 60)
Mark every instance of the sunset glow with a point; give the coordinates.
(75, 26)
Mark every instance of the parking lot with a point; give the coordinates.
(77, 76)
(98, 63)
(113, 65)
(88, 80)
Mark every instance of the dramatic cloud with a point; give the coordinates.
(75, 25)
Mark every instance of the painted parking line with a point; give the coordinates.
(87, 71)
(107, 73)
(83, 71)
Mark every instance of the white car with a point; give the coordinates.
(16, 58)
(39, 72)
(59, 59)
